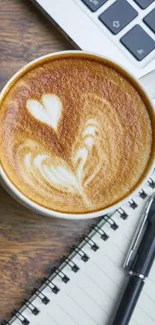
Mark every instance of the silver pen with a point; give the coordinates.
(138, 263)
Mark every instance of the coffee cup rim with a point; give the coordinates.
(13, 190)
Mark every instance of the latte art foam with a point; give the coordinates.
(75, 135)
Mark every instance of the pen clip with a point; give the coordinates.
(138, 236)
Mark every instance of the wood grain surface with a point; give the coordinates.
(29, 244)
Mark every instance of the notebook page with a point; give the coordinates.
(91, 295)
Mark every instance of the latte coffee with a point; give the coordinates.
(76, 133)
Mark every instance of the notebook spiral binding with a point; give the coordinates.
(67, 260)
(38, 293)
(31, 307)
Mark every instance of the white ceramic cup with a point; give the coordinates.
(4, 180)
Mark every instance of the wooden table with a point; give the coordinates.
(29, 244)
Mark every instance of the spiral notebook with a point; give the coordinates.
(85, 288)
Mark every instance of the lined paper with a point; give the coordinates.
(91, 295)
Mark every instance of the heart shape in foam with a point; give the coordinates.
(48, 110)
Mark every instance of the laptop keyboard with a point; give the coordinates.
(143, 4)
(121, 13)
(149, 20)
(94, 4)
(117, 16)
(138, 42)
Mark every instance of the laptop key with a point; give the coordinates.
(138, 42)
(150, 20)
(94, 5)
(118, 15)
(143, 4)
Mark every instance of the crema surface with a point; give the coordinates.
(75, 135)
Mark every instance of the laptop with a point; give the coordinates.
(122, 30)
